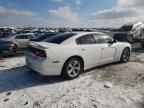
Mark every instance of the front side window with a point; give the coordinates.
(103, 38)
(87, 39)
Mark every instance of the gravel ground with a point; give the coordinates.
(110, 86)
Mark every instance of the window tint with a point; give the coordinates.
(102, 38)
(59, 38)
(20, 37)
(27, 37)
(87, 39)
(46, 36)
(23, 37)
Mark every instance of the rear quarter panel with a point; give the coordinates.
(62, 53)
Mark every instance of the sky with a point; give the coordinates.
(70, 13)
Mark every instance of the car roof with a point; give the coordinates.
(23, 34)
(77, 35)
(82, 33)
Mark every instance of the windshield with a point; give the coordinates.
(126, 28)
(59, 38)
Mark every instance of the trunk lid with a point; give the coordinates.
(42, 45)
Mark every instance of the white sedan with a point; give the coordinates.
(69, 54)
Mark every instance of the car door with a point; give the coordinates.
(22, 40)
(108, 48)
(89, 50)
(27, 39)
(19, 39)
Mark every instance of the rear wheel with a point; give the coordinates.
(125, 55)
(72, 68)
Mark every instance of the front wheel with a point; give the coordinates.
(125, 55)
(72, 68)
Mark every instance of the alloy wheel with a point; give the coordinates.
(126, 55)
(73, 68)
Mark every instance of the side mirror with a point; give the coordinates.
(111, 42)
(114, 41)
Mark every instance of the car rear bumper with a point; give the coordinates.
(8, 51)
(42, 65)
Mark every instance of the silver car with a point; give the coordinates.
(21, 40)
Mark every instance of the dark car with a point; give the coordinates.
(43, 37)
(6, 48)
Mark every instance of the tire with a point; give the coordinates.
(125, 55)
(130, 39)
(72, 68)
(15, 48)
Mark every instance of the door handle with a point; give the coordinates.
(103, 48)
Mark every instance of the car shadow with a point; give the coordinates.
(21, 77)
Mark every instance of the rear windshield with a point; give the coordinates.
(41, 38)
(59, 38)
(126, 28)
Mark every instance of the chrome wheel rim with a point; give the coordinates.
(126, 55)
(73, 68)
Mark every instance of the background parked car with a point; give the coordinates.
(6, 48)
(43, 37)
(20, 40)
(130, 32)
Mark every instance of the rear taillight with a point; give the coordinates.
(40, 53)
(37, 51)
(11, 45)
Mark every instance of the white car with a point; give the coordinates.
(69, 54)
(20, 40)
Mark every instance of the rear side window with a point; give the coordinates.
(20, 37)
(23, 37)
(59, 38)
(87, 39)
